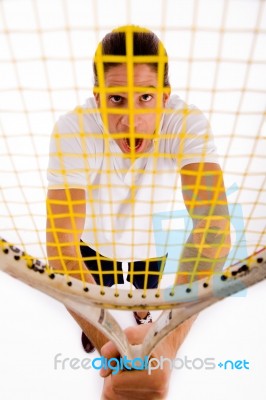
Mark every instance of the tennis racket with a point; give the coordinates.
(236, 110)
(91, 302)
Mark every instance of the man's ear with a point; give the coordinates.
(166, 97)
(97, 98)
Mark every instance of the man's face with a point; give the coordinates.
(135, 125)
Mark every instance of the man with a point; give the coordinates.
(114, 163)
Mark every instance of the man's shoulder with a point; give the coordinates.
(175, 103)
(85, 117)
(175, 112)
(89, 107)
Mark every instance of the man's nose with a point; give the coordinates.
(131, 118)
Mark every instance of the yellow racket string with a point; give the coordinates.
(242, 152)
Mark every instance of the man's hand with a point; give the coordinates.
(141, 385)
(136, 384)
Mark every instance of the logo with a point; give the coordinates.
(231, 365)
(148, 364)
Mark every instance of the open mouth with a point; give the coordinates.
(133, 143)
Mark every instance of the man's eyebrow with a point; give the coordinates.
(121, 88)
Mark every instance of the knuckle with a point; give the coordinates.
(131, 334)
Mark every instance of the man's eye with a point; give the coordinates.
(116, 99)
(146, 97)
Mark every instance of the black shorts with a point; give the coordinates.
(108, 272)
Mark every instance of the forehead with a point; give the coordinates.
(143, 75)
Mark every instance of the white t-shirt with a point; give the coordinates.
(124, 197)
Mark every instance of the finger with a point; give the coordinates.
(109, 351)
(136, 334)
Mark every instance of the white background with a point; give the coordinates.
(217, 61)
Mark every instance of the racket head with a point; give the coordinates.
(35, 273)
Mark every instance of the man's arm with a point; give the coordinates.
(66, 211)
(209, 243)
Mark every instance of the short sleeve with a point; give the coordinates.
(190, 138)
(196, 143)
(71, 153)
